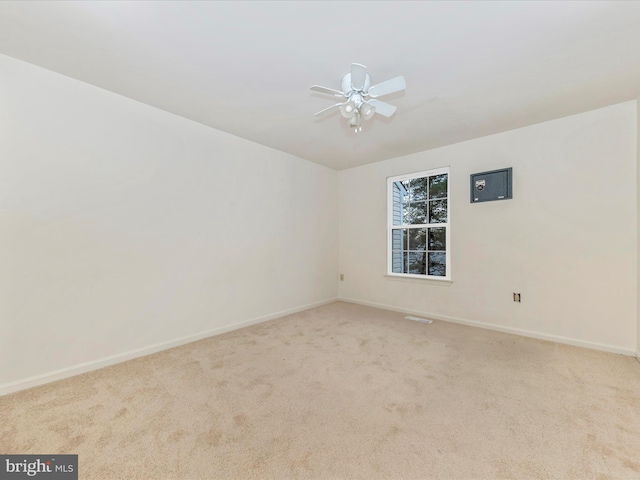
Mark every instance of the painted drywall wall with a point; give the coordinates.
(124, 228)
(638, 231)
(566, 241)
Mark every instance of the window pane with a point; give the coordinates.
(407, 185)
(417, 239)
(415, 213)
(417, 263)
(438, 186)
(437, 239)
(399, 198)
(438, 211)
(399, 239)
(418, 190)
(398, 262)
(437, 264)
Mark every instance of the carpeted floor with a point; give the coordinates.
(343, 392)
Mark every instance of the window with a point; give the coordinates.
(418, 225)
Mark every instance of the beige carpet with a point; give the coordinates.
(343, 392)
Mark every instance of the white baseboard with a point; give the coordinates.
(638, 356)
(515, 331)
(48, 377)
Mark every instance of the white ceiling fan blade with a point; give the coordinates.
(358, 76)
(327, 109)
(390, 86)
(330, 91)
(383, 108)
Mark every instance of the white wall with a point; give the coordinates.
(124, 229)
(567, 240)
(638, 237)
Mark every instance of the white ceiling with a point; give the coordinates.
(472, 68)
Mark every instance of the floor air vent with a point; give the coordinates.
(418, 319)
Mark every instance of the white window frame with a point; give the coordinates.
(391, 226)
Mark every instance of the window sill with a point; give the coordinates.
(429, 281)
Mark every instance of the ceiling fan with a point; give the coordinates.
(362, 98)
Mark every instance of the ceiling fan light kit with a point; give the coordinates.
(347, 109)
(361, 98)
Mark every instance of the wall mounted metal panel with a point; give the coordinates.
(493, 185)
